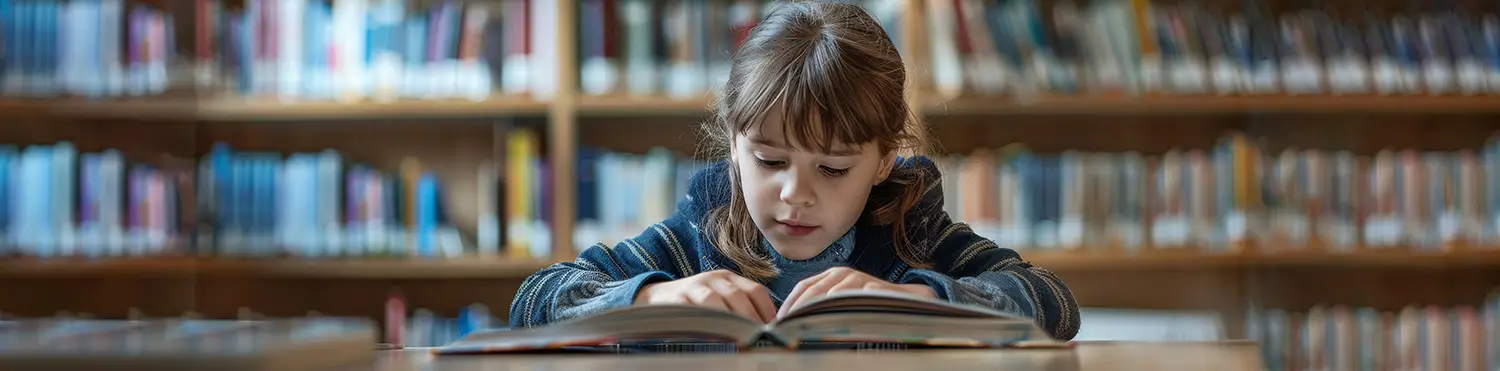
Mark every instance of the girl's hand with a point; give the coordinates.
(720, 289)
(844, 279)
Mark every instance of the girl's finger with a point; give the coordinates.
(813, 291)
(735, 299)
(759, 297)
(851, 283)
(709, 298)
(796, 293)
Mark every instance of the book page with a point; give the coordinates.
(625, 325)
(890, 302)
(884, 317)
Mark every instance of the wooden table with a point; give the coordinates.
(1124, 356)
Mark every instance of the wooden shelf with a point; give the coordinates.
(1082, 261)
(252, 110)
(1087, 105)
(223, 109)
(142, 108)
(184, 267)
(472, 267)
(627, 105)
(50, 268)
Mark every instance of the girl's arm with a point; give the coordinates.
(971, 269)
(604, 277)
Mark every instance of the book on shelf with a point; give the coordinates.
(59, 202)
(1027, 49)
(1234, 197)
(620, 194)
(93, 49)
(379, 50)
(844, 318)
(674, 48)
(1413, 337)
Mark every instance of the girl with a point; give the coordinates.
(811, 198)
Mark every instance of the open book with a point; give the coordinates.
(865, 317)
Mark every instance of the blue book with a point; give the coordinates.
(1053, 191)
(22, 17)
(238, 190)
(1488, 39)
(300, 185)
(416, 40)
(394, 212)
(15, 185)
(7, 41)
(1028, 167)
(7, 161)
(64, 163)
(272, 194)
(328, 168)
(244, 53)
(48, 41)
(39, 205)
(308, 214)
(453, 15)
(217, 183)
(257, 167)
(89, 187)
(588, 181)
(427, 215)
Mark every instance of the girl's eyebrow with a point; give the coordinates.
(837, 152)
(767, 142)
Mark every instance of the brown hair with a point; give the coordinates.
(835, 77)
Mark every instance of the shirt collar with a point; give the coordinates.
(840, 249)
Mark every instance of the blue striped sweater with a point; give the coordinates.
(967, 268)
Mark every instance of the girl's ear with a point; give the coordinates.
(887, 164)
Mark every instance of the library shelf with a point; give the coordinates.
(333, 268)
(270, 109)
(161, 266)
(409, 268)
(1107, 261)
(1200, 104)
(1189, 259)
(157, 108)
(633, 105)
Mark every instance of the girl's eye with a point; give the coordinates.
(833, 172)
(769, 163)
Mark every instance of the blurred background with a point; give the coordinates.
(1273, 170)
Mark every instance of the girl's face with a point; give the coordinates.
(801, 200)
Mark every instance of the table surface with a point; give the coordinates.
(1122, 356)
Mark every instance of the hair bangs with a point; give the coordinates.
(822, 103)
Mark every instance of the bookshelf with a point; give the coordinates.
(465, 267)
(454, 134)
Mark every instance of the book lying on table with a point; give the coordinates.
(185, 344)
(864, 317)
